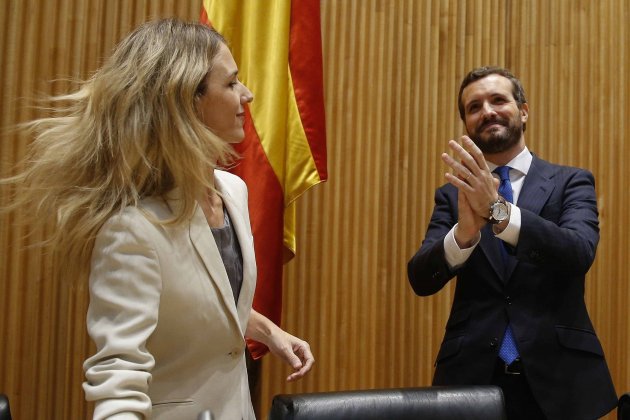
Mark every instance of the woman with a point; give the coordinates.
(129, 166)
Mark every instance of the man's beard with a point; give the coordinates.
(498, 141)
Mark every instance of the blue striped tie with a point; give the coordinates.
(508, 351)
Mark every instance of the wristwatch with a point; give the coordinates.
(498, 211)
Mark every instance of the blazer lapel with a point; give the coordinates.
(245, 240)
(203, 242)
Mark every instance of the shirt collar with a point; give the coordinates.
(521, 162)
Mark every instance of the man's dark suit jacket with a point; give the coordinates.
(540, 292)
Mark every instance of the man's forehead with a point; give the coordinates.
(493, 84)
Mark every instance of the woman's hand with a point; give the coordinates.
(294, 351)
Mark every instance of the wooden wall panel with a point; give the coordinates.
(392, 73)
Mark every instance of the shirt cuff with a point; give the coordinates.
(456, 256)
(512, 231)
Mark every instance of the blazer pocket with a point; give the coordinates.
(166, 403)
(579, 339)
(449, 348)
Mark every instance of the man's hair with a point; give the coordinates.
(479, 73)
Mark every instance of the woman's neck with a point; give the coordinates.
(212, 206)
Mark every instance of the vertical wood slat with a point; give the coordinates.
(392, 72)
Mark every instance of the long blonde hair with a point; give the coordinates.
(129, 132)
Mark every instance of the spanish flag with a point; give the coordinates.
(277, 47)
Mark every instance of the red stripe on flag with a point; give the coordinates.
(204, 16)
(305, 64)
(266, 210)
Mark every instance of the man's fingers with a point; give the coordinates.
(466, 159)
(460, 171)
(475, 152)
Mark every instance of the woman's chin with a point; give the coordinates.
(234, 138)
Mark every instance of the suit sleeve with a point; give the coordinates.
(125, 287)
(565, 235)
(428, 270)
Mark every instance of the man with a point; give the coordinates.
(520, 247)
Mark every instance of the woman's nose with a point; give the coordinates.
(247, 96)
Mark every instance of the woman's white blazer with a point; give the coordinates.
(169, 336)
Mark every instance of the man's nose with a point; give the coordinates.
(488, 110)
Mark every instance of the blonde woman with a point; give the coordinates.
(129, 166)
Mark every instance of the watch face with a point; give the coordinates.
(499, 211)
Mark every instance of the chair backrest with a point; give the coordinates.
(623, 410)
(5, 410)
(436, 403)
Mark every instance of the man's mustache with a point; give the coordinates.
(492, 121)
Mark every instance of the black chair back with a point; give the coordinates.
(623, 409)
(5, 410)
(435, 403)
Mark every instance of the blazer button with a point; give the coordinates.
(494, 342)
(508, 300)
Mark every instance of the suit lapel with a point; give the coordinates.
(537, 187)
(536, 190)
(490, 246)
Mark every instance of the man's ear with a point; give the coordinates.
(524, 112)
